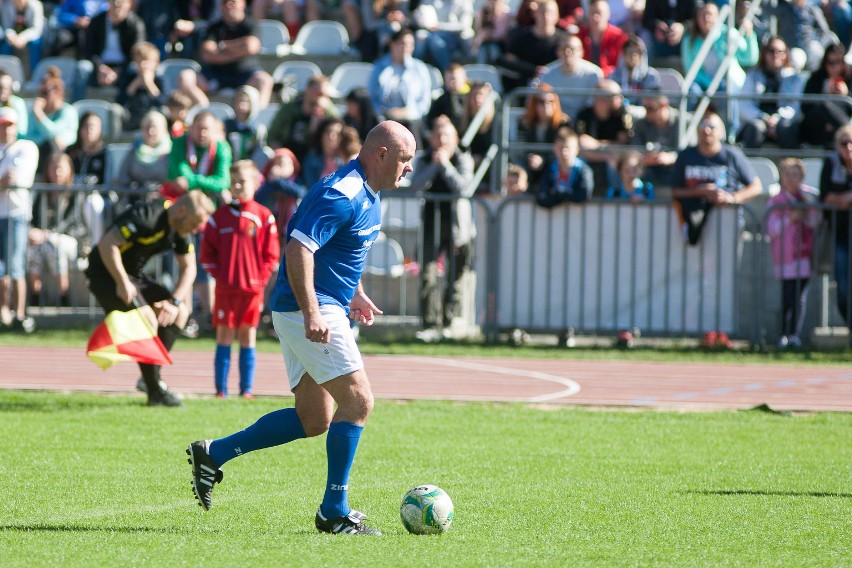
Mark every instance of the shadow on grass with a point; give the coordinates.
(79, 528)
(762, 492)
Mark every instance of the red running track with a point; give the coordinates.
(690, 386)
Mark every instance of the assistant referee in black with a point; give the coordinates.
(117, 281)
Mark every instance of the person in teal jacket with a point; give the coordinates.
(746, 54)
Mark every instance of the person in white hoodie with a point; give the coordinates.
(18, 161)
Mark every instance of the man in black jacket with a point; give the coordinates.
(109, 39)
(664, 23)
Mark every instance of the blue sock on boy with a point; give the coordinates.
(247, 362)
(273, 429)
(341, 444)
(221, 366)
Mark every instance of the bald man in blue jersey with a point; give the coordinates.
(318, 290)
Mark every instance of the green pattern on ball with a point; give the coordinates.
(411, 499)
(429, 515)
(419, 512)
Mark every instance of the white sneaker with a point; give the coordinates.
(428, 335)
(783, 342)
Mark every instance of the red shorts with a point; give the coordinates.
(234, 309)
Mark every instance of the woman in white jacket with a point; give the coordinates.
(767, 119)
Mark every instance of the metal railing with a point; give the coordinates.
(600, 267)
(593, 268)
(686, 137)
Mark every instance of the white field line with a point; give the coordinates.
(571, 389)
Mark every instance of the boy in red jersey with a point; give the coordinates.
(240, 250)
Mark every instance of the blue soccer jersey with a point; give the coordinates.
(338, 220)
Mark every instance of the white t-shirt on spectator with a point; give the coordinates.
(20, 157)
(586, 76)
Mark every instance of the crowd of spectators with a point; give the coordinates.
(593, 65)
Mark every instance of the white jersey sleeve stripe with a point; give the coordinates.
(305, 240)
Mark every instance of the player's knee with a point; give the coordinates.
(369, 402)
(358, 408)
(316, 426)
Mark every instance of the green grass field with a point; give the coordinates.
(103, 481)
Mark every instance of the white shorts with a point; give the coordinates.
(322, 361)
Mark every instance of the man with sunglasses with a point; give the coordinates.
(712, 173)
(707, 175)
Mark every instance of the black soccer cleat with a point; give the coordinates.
(205, 472)
(142, 387)
(164, 398)
(353, 523)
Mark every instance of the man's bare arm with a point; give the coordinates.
(300, 273)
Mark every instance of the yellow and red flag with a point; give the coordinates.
(126, 336)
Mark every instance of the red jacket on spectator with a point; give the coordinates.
(612, 41)
(240, 248)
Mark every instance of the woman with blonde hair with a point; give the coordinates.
(146, 166)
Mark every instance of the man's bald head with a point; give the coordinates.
(389, 134)
(386, 154)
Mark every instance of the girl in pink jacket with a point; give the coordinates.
(791, 226)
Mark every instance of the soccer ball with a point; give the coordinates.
(427, 509)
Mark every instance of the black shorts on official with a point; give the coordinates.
(103, 289)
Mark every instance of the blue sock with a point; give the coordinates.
(340, 445)
(272, 429)
(221, 366)
(247, 360)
